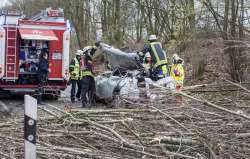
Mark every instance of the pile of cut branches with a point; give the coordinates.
(199, 122)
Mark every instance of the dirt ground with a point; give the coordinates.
(15, 104)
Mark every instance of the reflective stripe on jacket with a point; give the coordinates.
(158, 56)
(86, 68)
(177, 73)
(76, 70)
(86, 73)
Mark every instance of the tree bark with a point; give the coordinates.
(225, 23)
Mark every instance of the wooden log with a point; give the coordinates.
(174, 140)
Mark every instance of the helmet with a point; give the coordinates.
(87, 48)
(79, 52)
(152, 37)
(147, 55)
(176, 59)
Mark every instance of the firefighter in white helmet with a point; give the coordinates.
(158, 56)
(74, 70)
(87, 76)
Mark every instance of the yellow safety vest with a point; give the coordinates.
(84, 73)
(76, 71)
(164, 70)
(158, 56)
(177, 68)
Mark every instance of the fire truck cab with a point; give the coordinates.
(21, 42)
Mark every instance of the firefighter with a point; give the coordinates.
(177, 71)
(87, 76)
(158, 56)
(74, 70)
(43, 71)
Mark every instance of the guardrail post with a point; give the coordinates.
(30, 119)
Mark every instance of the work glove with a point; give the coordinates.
(140, 53)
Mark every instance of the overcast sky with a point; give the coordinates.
(3, 2)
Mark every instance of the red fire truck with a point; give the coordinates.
(21, 42)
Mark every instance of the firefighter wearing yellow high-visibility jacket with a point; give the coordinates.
(74, 70)
(87, 76)
(158, 57)
(177, 71)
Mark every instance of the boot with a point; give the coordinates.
(78, 99)
(84, 105)
(39, 100)
(73, 100)
(88, 105)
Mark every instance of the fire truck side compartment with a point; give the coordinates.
(15, 53)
